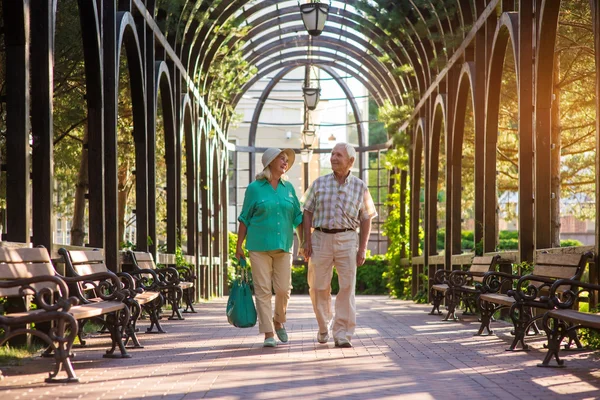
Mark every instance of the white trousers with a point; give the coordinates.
(271, 270)
(331, 249)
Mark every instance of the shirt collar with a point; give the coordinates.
(345, 180)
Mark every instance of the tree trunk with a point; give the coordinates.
(81, 188)
(555, 156)
(125, 185)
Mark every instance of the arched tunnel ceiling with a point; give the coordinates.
(393, 46)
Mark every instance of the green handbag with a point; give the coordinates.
(241, 311)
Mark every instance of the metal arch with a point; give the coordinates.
(350, 51)
(374, 30)
(502, 36)
(162, 83)
(494, 81)
(127, 35)
(348, 15)
(373, 90)
(336, 59)
(357, 117)
(543, 88)
(419, 159)
(466, 85)
(377, 53)
(92, 49)
(256, 116)
(439, 116)
(189, 138)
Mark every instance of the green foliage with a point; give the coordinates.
(570, 243)
(370, 278)
(522, 268)
(589, 337)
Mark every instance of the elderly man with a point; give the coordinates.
(336, 205)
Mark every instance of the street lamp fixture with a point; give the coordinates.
(314, 15)
(306, 155)
(308, 137)
(311, 97)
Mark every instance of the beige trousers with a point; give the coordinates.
(271, 271)
(337, 249)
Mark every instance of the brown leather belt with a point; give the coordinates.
(333, 230)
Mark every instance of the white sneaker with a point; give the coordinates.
(322, 337)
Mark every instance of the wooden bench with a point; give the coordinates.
(456, 286)
(523, 293)
(28, 273)
(564, 320)
(172, 281)
(86, 262)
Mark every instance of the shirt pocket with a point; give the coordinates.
(351, 208)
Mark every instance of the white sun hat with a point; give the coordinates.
(272, 153)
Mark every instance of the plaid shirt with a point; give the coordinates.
(336, 206)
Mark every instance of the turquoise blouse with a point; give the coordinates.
(270, 216)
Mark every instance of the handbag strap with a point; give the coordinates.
(244, 270)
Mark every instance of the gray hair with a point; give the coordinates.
(266, 174)
(349, 149)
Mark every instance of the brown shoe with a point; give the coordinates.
(343, 343)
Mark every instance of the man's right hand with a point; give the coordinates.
(307, 250)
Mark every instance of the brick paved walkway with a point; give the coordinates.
(400, 353)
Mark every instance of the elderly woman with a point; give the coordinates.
(269, 215)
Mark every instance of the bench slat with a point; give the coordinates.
(85, 256)
(577, 317)
(15, 255)
(554, 271)
(558, 259)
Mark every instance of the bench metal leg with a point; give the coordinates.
(556, 332)
(189, 302)
(175, 296)
(62, 350)
(451, 302)
(153, 309)
(523, 320)
(437, 298)
(487, 313)
(116, 323)
(131, 328)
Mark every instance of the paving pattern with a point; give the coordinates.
(399, 352)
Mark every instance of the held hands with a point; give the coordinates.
(306, 250)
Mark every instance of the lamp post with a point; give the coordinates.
(314, 16)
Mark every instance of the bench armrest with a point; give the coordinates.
(526, 289)
(567, 298)
(441, 276)
(495, 281)
(461, 278)
(141, 279)
(46, 297)
(107, 286)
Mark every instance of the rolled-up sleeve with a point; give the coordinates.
(249, 201)
(297, 210)
(368, 210)
(309, 199)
